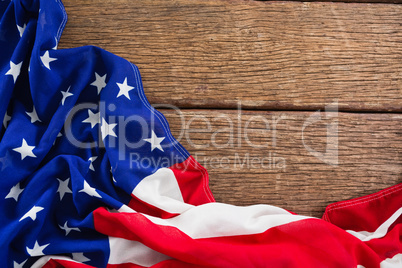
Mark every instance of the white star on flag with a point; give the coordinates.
(32, 213)
(15, 70)
(33, 115)
(6, 119)
(66, 94)
(15, 192)
(21, 29)
(93, 119)
(19, 265)
(92, 159)
(36, 250)
(79, 256)
(25, 150)
(124, 89)
(68, 229)
(155, 141)
(107, 129)
(99, 83)
(63, 188)
(46, 59)
(89, 190)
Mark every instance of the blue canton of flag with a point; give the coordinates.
(74, 122)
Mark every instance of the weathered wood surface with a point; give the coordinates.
(346, 1)
(269, 55)
(266, 56)
(282, 171)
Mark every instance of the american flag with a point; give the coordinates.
(92, 177)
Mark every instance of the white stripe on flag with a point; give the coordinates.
(394, 262)
(127, 251)
(162, 191)
(218, 219)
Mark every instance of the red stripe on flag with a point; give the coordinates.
(193, 181)
(143, 207)
(389, 245)
(304, 243)
(365, 213)
(163, 264)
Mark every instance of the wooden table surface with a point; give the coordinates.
(294, 104)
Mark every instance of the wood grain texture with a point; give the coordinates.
(282, 171)
(266, 55)
(345, 1)
(269, 55)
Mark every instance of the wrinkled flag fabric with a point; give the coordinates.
(92, 177)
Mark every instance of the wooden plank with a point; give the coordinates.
(347, 1)
(269, 55)
(283, 172)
